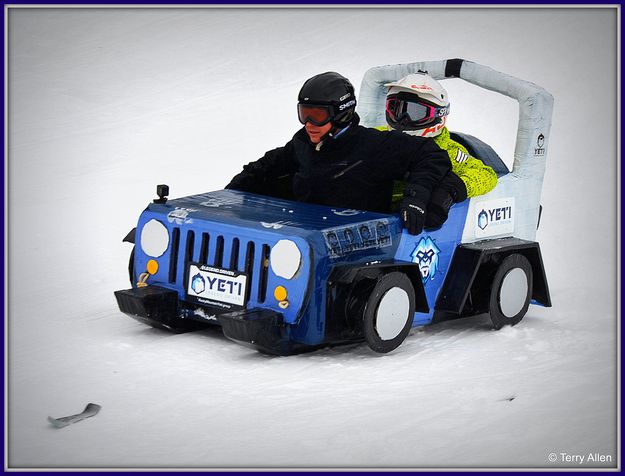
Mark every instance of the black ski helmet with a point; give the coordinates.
(331, 89)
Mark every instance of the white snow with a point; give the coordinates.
(104, 104)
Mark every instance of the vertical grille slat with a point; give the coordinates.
(204, 248)
(264, 271)
(249, 267)
(188, 256)
(219, 252)
(234, 255)
(173, 259)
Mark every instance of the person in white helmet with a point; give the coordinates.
(418, 105)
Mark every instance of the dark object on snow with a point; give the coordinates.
(90, 410)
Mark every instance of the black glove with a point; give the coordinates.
(438, 208)
(449, 191)
(455, 187)
(412, 213)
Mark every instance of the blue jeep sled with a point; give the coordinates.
(286, 277)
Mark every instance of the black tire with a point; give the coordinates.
(385, 332)
(511, 291)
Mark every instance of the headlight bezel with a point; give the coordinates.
(285, 259)
(154, 238)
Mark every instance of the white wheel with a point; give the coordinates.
(511, 291)
(389, 312)
(392, 313)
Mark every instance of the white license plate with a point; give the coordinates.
(216, 286)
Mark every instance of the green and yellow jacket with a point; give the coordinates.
(477, 177)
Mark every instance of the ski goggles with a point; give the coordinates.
(319, 115)
(401, 110)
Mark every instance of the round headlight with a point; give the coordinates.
(285, 259)
(154, 238)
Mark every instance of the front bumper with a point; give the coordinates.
(261, 329)
(155, 306)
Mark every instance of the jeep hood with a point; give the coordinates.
(257, 211)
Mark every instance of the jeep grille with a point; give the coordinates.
(221, 251)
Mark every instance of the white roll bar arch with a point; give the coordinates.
(532, 140)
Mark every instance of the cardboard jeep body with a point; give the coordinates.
(287, 277)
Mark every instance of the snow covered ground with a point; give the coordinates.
(107, 103)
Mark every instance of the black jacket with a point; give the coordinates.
(354, 170)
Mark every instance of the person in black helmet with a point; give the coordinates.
(334, 161)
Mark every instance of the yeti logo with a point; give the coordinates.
(540, 142)
(494, 217)
(482, 219)
(198, 284)
(426, 254)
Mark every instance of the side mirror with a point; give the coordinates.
(162, 191)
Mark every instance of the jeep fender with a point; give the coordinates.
(473, 264)
(350, 274)
(349, 287)
(130, 237)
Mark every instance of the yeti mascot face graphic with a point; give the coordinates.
(426, 254)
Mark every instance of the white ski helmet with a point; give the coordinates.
(417, 104)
